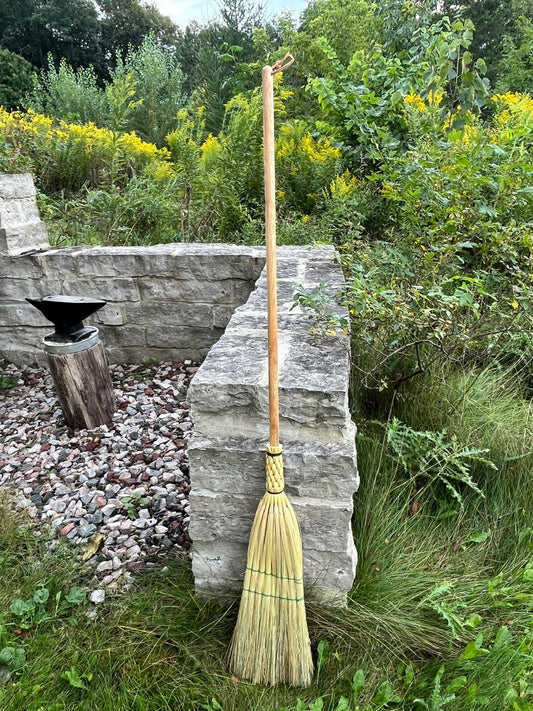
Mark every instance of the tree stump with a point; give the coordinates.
(83, 386)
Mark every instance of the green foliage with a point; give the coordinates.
(433, 457)
(73, 677)
(221, 59)
(515, 72)
(156, 79)
(65, 28)
(133, 502)
(466, 186)
(32, 611)
(399, 20)
(12, 660)
(221, 177)
(321, 305)
(16, 79)
(440, 698)
(455, 214)
(492, 20)
(80, 32)
(364, 101)
(6, 382)
(487, 408)
(125, 24)
(322, 20)
(143, 94)
(306, 166)
(69, 94)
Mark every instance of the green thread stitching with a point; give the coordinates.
(299, 581)
(274, 597)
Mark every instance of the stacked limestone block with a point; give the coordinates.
(229, 407)
(164, 302)
(21, 228)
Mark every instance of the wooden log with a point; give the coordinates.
(83, 386)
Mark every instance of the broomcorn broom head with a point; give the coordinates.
(270, 643)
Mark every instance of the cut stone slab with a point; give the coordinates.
(21, 229)
(229, 407)
(239, 466)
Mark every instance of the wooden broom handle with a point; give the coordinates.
(269, 158)
(270, 227)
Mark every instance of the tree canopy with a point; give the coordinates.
(16, 79)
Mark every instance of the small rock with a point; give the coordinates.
(98, 596)
(67, 529)
(108, 509)
(104, 566)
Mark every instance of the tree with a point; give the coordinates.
(69, 94)
(400, 19)
(241, 16)
(515, 69)
(324, 18)
(158, 80)
(125, 24)
(215, 58)
(493, 20)
(83, 32)
(365, 102)
(63, 28)
(16, 79)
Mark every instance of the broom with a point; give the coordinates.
(270, 643)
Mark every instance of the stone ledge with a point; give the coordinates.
(229, 407)
(21, 229)
(171, 301)
(219, 568)
(307, 468)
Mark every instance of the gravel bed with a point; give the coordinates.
(119, 493)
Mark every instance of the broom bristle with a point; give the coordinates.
(270, 643)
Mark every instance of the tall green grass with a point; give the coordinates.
(440, 616)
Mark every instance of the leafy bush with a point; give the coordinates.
(364, 101)
(158, 85)
(465, 189)
(448, 281)
(144, 94)
(429, 458)
(515, 72)
(221, 177)
(16, 79)
(306, 165)
(72, 95)
(69, 156)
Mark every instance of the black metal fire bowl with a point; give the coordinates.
(67, 314)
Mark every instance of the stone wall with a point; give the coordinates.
(21, 228)
(208, 302)
(229, 408)
(165, 302)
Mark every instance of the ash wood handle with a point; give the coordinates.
(271, 267)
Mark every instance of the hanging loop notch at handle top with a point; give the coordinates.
(283, 64)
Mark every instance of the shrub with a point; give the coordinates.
(158, 89)
(72, 95)
(306, 165)
(16, 79)
(363, 102)
(69, 156)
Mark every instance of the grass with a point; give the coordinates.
(440, 616)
